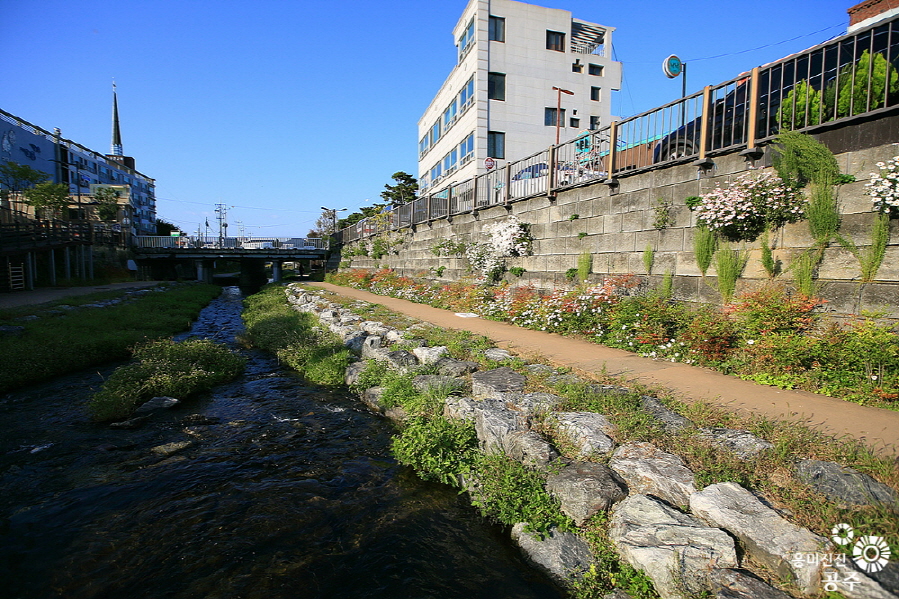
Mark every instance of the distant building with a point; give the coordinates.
(499, 101)
(870, 12)
(83, 169)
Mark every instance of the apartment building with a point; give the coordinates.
(83, 170)
(524, 74)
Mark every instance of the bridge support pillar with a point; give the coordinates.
(276, 270)
(252, 273)
(204, 270)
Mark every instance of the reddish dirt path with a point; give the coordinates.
(878, 428)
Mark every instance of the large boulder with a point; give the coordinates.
(767, 537)
(671, 421)
(354, 341)
(493, 424)
(648, 470)
(585, 488)
(401, 361)
(586, 431)
(741, 443)
(737, 584)
(499, 383)
(676, 551)
(452, 367)
(532, 404)
(530, 449)
(353, 372)
(845, 485)
(157, 403)
(496, 354)
(563, 556)
(430, 355)
(424, 383)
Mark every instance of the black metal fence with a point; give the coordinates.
(37, 235)
(851, 77)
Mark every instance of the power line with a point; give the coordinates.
(792, 39)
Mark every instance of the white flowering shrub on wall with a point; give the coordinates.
(505, 239)
(743, 209)
(884, 187)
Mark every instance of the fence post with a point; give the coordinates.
(551, 183)
(704, 122)
(507, 183)
(613, 148)
(752, 130)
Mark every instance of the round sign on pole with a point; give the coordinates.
(489, 163)
(672, 66)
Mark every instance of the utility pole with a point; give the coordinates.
(221, 212)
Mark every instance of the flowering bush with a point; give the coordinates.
(506, 238)
(742, 210)
(884, 186)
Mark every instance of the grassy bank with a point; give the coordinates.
(272, 326)
(57, 342)
(446, 451)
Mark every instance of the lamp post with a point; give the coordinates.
(559, 108)
(333, 212)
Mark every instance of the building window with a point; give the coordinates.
(423, 145)
(449, 115)
(466, 148)
(595, 93)
(467, 40)
(435, 132)
(549, 117)
(594, 123)
(595, 69)
(577, 67)
(496, 144)
(497, 29)
(467, 94)
(575, 123)
(555, 41)
(496, 86)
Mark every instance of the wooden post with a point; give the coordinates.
(753, 108)
(704, 123)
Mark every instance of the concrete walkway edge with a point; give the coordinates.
(875, 427)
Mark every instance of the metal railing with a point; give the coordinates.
(26, 236)
(215, 242)
(848, 78)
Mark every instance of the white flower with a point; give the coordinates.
(750, 342)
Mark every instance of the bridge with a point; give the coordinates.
(199, 253)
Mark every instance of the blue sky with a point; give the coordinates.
(275, 108)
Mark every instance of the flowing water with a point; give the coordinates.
(285, 491)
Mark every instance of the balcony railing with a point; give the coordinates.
(850, 78)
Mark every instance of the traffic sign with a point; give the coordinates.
(489, 163)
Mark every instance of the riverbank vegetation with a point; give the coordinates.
(53, 339)
(164, 368)
(446, 451)
(772, 335)
(292, 336)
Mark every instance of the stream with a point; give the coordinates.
(286, 490)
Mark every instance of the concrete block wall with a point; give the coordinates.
(616, 224)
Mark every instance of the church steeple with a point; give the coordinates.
(116, 133)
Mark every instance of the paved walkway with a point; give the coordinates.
(49, 294)
(876, 427)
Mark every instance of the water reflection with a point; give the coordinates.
(285, 490)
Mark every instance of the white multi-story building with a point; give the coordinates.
(516, 64)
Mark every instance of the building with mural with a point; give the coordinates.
(83, 170)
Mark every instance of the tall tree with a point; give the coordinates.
(165, 228)
(48, 197)
(107, 203)
(403, 192)
(15, 178)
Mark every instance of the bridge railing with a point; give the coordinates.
(845, 79)
(247, 243)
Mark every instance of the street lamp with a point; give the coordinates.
(559, 108)
(333, 212)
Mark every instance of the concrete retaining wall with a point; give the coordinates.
(616, 225)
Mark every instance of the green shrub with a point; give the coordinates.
(801, 159)
(517, 271)
(729, 265)
(164, 368)
(649, 255)
(510, 493)
(437, 448)
(705, 243)
(584, 266)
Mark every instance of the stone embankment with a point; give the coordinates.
(689, 541)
